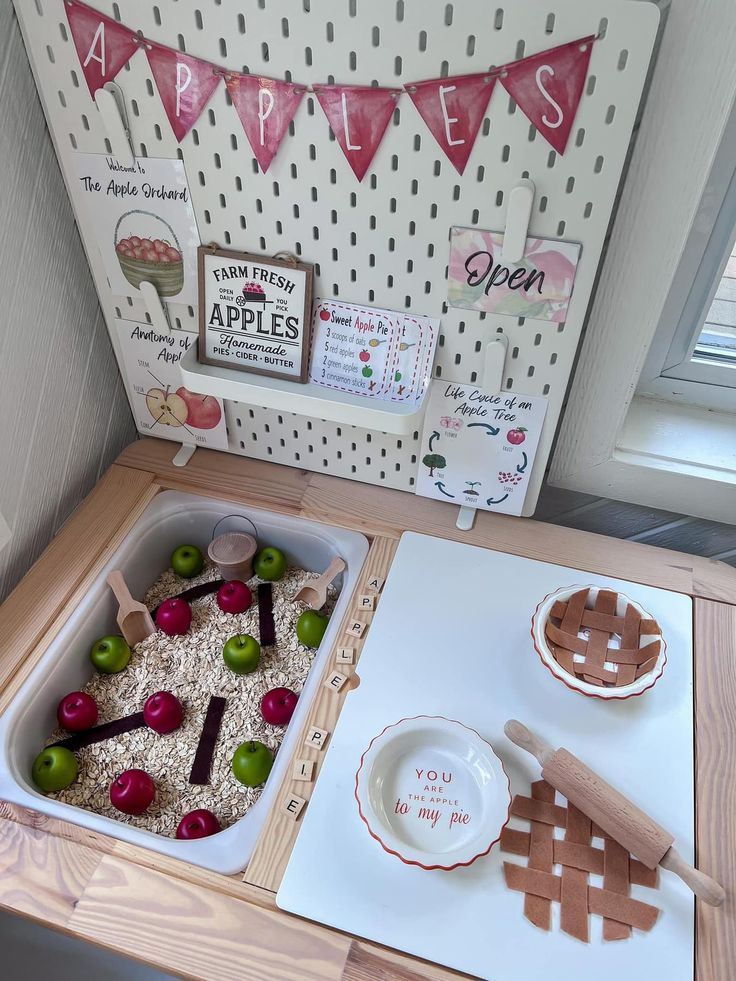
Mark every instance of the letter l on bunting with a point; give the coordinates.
(103, 45)
(547, 87)
(453, 109)
(358, 116)
(185, 85)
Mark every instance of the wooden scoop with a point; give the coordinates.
(315, 594)
(614, 813)
(134, 620)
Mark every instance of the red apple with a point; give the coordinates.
(324, 315)
(234, 597)
(277, 706)
(198, 824)
(77, 711)
(135, 241)
(516, 436)
(132, 792)
(163, 712)
(364, 356)
(204, 411)
(174, 616)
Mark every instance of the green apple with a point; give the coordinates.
(241, 653)
(54, 769)
(270, 564)
(110, 654)
(187, 561)
(310, 627)
(252, 762)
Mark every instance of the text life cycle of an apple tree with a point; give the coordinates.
(161, 405)
(478, 447)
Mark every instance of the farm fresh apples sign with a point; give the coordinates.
(161, 405)
(254, 313)
(143, 222)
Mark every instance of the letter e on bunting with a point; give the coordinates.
(185, 85)
(453, 109)
(103, 45)
(265, 107)
(547, 87)
(358, 116)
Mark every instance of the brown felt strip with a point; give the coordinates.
(194, 592)
(574, 885)
(629, 639)
(579, 856)
(105, 731)
(615, 879)
(642, 916)
(537, 810)
(640, 875)
(605, 602)
(207, 741)
(532, 881)
(537, 909)
(266, 626)
(515, 842)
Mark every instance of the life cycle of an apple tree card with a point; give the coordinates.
(478, 447)
(161, 405)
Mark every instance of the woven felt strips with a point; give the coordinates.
(596, 645)
(577, 858)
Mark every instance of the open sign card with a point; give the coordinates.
(478, 447)
(539, 286)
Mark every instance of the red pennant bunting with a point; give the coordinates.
(358, 116)
(547, 87)
(103, 45)
(266, 107)
(185, 85)
(453, 109)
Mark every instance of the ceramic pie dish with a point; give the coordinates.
(599, 642)
(432, 792)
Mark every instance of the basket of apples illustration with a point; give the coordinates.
(156, 260)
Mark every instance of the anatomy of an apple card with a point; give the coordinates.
(161, 405)
(478, 447)
(143, 221)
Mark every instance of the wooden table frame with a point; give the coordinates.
(198, 924)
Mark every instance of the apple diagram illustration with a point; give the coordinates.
(182, 408)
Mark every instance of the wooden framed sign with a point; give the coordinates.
(254, 313)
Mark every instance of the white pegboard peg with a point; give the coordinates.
(111, 104)
(518, 214)
(156, 310)
(494, 363)
(184, 454)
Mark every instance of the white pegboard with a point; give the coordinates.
(385, 241)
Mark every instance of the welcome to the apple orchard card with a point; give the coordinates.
(143, 222)
(161, 405)
(254, 313)
(478, 447)
(538, 286)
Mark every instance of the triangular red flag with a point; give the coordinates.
(547, 87)
(184, 83)
(265, 107)
(453, 109)
(358, 116)
(103, 45)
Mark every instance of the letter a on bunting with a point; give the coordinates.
(547, 87)
(103, 45)
(453, 109)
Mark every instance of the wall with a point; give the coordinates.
(63, 410)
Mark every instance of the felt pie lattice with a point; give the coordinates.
(578, 859)
(599, 637)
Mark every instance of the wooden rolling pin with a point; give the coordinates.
(614, 813)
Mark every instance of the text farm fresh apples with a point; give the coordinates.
(204, 410)
(132, 792)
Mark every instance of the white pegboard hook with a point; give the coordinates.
(111, 103)
(518, 215)
(156, 310)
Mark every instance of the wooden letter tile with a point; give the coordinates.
(303, 770)
(345, 655)
(316, 738)
(356, 629)
(375, 583)
(335, 681)
(293, 806)
(366, 602)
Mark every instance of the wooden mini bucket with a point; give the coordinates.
(233, 551)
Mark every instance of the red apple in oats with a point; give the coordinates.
(77, 711)
(234, 597)
(197, 824)
(132, 792)
(163, 712)
(277, 706)
(203, 411)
